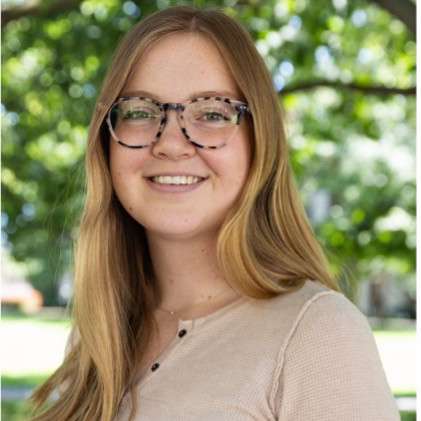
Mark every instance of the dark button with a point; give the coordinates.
(182, 333)
(155, 367)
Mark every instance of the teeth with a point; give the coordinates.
(178, 179)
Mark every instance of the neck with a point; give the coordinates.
(186, 271)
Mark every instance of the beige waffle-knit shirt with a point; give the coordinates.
(308, 355)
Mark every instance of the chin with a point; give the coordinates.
(182, 232)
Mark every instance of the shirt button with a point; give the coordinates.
(155, 367)
(182, 333)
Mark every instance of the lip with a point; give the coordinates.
(174, 188)
(174, 174)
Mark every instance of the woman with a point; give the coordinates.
(200, 290)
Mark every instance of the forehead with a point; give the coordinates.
(179, 67)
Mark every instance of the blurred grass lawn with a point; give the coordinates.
(34, 347)
(398, 354)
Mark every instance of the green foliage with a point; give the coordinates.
(23, 381)
(408, 416)
(359, 147)
(15, 411)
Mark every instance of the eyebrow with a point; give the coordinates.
(197, 94)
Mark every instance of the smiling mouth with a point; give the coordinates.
(176, 180)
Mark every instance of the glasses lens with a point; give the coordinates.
(211, 122)
(135, 121)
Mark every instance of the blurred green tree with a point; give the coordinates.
(345, 72)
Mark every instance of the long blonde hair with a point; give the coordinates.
(265, 246)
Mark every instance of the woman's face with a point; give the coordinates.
(179, 68)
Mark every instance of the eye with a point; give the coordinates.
(210, 114)
(213, 116)
(139, 115)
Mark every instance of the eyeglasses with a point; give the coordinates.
(207, 122)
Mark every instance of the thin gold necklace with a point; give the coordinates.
(210, 298)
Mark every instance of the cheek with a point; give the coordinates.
(232, 162)
(125, 160)
(124, 164)
(122, 168)
(240, 161)
(117, 164)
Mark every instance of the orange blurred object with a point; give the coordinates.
(19, 292)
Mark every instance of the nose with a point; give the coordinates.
(172, 142)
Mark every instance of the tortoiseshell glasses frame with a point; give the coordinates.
(132, 120)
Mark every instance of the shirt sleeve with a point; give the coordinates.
(330, 369)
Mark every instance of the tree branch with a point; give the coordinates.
(404, 10)
(37, 8)
(372, 90)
